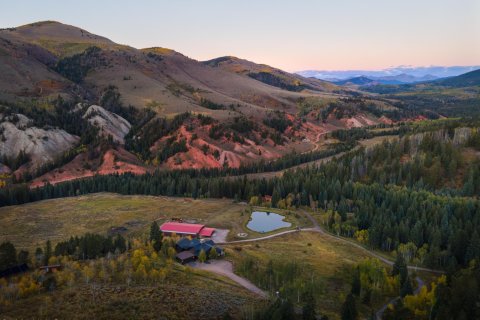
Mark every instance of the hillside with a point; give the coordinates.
(465, 80)
(238, 111)
(449, 97)
(271, 76)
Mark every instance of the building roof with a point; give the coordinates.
(209, 242)
(184, 243)
(185, 255)
(202, 246)
(184, 228)
(207, 232)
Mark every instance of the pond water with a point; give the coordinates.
(266, 221)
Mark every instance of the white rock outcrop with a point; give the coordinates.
(41, 145)
(108, 122)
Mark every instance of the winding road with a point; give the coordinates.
(225, 268)
(380, 311)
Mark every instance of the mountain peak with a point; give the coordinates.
(40, 24)
(58, 38)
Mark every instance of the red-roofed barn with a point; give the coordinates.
(186, 229)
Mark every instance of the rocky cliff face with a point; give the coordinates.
(109, 123)
(40, 145)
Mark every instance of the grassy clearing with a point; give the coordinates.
(189, 295)
(32, 224)
(326, 259)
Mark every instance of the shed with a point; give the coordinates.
(185, 257)
(51, 268)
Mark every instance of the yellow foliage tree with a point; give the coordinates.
(27, 286)
(88, 273)
(361, 236)
(421, 304)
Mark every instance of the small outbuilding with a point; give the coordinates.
(185, 257)
(51, 268)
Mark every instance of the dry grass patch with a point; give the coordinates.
(30, 225)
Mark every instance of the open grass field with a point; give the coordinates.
(331, 263)
(31, 225)
(189, 294)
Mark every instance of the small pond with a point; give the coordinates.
(266, 221)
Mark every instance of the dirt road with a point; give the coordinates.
(380, 311)
(225, 268)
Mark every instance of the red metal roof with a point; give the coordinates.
(178, 227)
(207, 232)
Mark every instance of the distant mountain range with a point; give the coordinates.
(398, 79)
(394, 75)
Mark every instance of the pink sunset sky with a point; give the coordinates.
(293, 35)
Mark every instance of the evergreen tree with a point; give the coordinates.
(120, 244)
(308, 310)
(8, 255)
(23, 257)
(47, 253)
(406, 287)
(227, 316)
(473, 249)
(400, 268)
(38, 256)
(356, 283)
(156, 236)
(349, 309)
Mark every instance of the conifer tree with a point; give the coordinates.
(8, 255)
(156, 236)
(356, 283)
(47, 253)
(349, 309)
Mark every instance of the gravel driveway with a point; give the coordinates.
(225, 268)
(220, 235)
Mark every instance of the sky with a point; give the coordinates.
(293, 35)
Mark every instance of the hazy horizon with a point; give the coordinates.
(294, 36)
